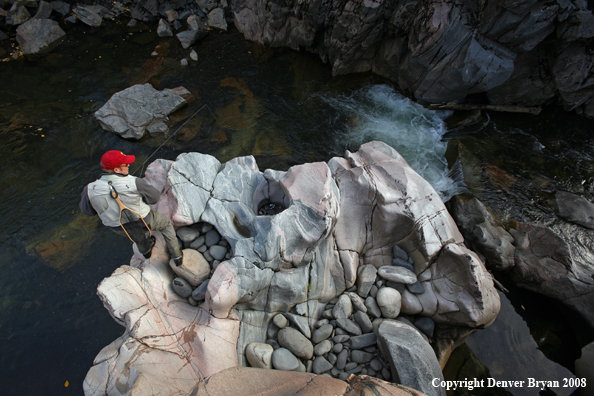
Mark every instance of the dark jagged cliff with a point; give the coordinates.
(524, 52)
(516, 51)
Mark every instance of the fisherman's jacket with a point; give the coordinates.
(106, 206)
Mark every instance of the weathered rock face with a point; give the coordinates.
(441, 51)
(554, 260)
(409, 349)
(138, 109)
(166, 342)
(39, 36)
(244, 381)
(483, 232)
(544, 264)
(368, 210)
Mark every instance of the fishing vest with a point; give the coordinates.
(107, 208)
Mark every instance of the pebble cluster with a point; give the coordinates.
(204, 238)
(344, 341)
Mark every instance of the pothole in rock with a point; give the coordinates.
(267, 208)
(191, 282)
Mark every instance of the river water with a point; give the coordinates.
(281, 106)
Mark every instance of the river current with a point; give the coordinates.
(284, 108)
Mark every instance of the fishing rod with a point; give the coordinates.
(180, 127)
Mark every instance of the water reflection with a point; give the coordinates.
(510, 353)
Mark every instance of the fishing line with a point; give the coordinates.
(141, 169)
(166, 140)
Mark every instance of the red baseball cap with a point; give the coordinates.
(114, 158)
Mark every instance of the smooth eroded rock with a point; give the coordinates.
(296, 342)
(259, 355)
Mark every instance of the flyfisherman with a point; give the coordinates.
(122, 203)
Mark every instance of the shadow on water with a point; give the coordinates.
(281, 106)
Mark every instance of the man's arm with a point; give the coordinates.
(85, 204)
(149, 194)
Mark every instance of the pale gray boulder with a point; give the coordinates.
(321, 365)
(189, 37)
(259, 355)
(17, 14)
(216, 19)
(301, 323)
(191, 178)
(280, 321)
(89, 14)
(131, 112)
(349, 326)
(44, 10)
(187, 234)
(194, 268)
(283, 359)
(466, 292)
(365, 279)
(397, 274)
(343, 307)
(412, 360)
(164, 29)
(389, 302)
(295, 342)
(37, 37)
(372, 308)
(575, 209)
(322, 333)
(322, 348)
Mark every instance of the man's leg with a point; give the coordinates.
(159, 222)
(139, 234)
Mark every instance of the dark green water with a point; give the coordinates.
(281, 106)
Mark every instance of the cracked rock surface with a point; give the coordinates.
(367, 210)
(134, 111)
(524, 51)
